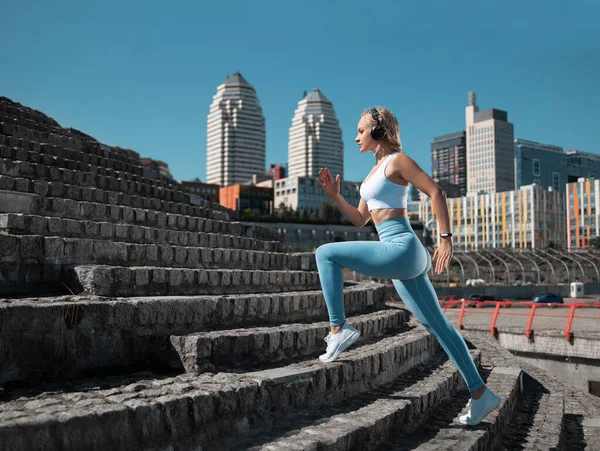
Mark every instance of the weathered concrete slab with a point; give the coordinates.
(402, 406)
(155, 413)
(14, 202)
(59, 337)
(215, 350)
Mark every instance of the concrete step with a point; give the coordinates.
(15, 128)
(39, 198)
(58, 337)
(581, 430)
(15, 109)
(18, 154)
(584, 431)
(155, 414)
(23, 276)
(29, 130)
(48, 199)
(364, 422)
(17, 124)
(33, 263)
(55, 250)
(20, 224)
(152, 281)
(61, 182)
(219, 349)
(443, 430)
(538, 421)
(32, 151)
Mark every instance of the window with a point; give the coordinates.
(594, 387)
(536, 167)
(556, 181)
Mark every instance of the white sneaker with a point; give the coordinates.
(480, 408)
(339, 342)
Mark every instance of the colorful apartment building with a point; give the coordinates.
(530, 217)
(582, 212)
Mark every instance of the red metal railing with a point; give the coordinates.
(450, 302)
(447, 302)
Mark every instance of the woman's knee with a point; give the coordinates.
(323, 251)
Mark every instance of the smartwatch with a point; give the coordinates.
(445, 235)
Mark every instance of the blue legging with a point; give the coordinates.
(400, 256)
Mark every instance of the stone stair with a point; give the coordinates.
(51, 337)
(133, 320)
(201, 233)
(218, 350)
(445, 431)
(366, 420)
(22, 149)
(76, 176)
(83, 212)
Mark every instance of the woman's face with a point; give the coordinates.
(363, 138)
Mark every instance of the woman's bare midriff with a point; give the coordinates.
(384, 214)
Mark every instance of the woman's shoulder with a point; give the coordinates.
(398, 157)
(400, 162)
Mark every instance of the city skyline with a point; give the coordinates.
(149, 87)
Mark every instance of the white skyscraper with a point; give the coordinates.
(315, 138)
(235, 148)
(490, 149)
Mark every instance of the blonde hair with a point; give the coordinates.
(391, 126)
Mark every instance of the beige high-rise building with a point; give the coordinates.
(315, 142)
(235, 148)
(490, 149)
(315, 138)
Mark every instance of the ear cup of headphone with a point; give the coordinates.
(378, 132)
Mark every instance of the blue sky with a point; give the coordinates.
(141, 75)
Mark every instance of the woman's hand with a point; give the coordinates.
(330, 186)
(442, 255)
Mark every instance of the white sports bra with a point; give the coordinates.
(380, 192)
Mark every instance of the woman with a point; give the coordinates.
(399, 255)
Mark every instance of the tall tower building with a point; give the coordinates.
(449, 163)
(315, 138)
(490, 149)
(235, 148)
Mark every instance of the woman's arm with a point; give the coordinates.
(349, 211)
(412, 172)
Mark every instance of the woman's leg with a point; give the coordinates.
(419, 296)
(405, 260)
(373, 258)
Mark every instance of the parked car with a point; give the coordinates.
(548, 298)
(483, 297)
(476, 300)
